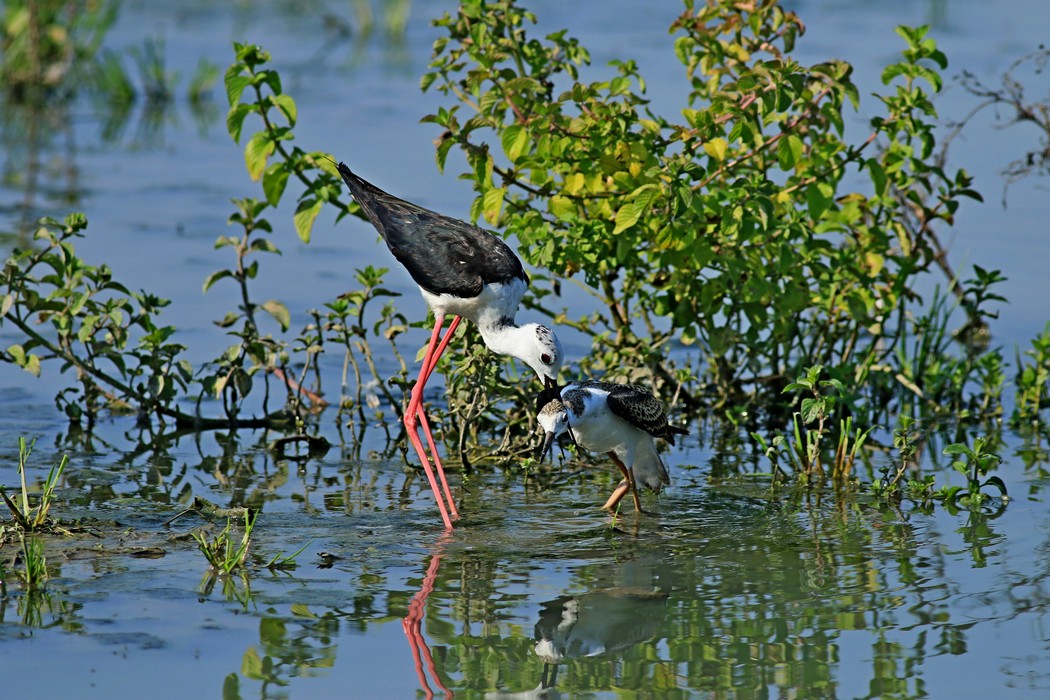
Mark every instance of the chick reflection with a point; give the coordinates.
(602, 623)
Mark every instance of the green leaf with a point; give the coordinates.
(242, 381)
(32, 365)
(228, 320)
(951, 494)
(18, 354)
(998, 483)
(627, 216)
(818, 198)
(185, 368)
(286, 104)
(878, 176)
(812, 409)
(274, 182)
(837, 384)
(235, 119)
(959, 448)
(304, 217)
(716, 148)
(279, 311)
(231, 687)
(515, 140)
(785, 156)
(215, 277)
(256, 152)
(563, 207)
(492, 204)
(235, 84)
(271, 78)
(890, 72)
(264, 245)
(441, 154)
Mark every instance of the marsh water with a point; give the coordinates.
(727, 589)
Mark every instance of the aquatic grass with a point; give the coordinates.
(30, 518)
(772, 450)
(41, 38)
(849, 444)
(204, 79)
(974, 462)
(33, 573)
(223, 552)
(283, 562)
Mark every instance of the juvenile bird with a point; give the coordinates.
(620, 419)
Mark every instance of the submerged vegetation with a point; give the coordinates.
(748, 256)
(28, 523)
(26, 517)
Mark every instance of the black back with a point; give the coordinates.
(443, 255)
(638, 407)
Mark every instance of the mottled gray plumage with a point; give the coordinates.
(443, 255)
(630, 402)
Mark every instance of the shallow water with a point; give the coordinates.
(726, 590)
(719, 591)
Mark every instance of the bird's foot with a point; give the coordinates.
(621, 490)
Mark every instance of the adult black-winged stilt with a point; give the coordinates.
(620, 419)
(466, 272)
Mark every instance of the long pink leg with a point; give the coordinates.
(411, 413)
(426, 424)
(414, 416)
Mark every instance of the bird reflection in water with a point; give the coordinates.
(602, 623)
(413, 626)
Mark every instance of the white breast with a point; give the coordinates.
(496, 301)
(598, 428)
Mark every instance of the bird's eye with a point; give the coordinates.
(545, 359)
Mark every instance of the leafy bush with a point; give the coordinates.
(732, 227)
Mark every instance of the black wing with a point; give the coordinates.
(640, 408)
(443, 255)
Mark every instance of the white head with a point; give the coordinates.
(542, 351)
(554, 419)
(533, 344)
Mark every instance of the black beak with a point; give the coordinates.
(549, 393)
(548, 440)
(572, 437)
